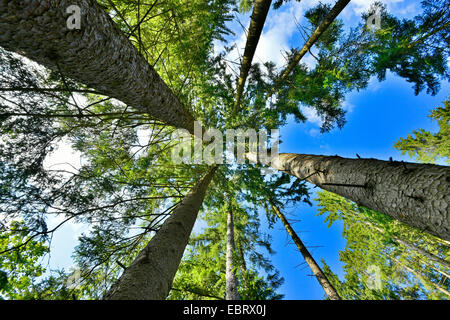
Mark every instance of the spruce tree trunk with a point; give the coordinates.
(98, 55)
(151, 274)
(315, 268)
(257, 20)
(423, 279)
(430, 256)
(230, 277)
(327, 21)
(416, 194)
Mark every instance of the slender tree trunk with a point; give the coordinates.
(315, 268)
(423, 252)
(230, 277)
(98, 55)
(338, 7)
(151, 274)
(416, 194)
(427, 283)
(257, 20)
(243, 267)
(413, 247)
(443, 273)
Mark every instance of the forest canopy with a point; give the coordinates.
(117, 88)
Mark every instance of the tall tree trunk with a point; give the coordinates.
(257, 20)
(230, 277)
(413, 247)
(98, 55)
(423, 279)
(338, 7)
(243, 267)
(315, 268)
(443, 273)
(416, 194)
(151, 274)
(423, 252)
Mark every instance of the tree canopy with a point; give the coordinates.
(126, 183)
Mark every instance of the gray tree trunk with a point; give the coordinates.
(315, 268)
(230, 277)
(257, 20)
(416, 194)
(415, 248)
(423, 279)
(151, 274)
(334, 12)
(98, 55)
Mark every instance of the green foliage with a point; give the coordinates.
(415, 49)
(19, 268)
(202, 271)
(126, 184)
(245, 5)
(374, 253)
(429, 147)
(278, 3)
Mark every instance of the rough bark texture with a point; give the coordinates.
(416, 194)
(151, 274)
(338, 7)
(315, 268)
(257, 20)
(98, 55)
(230, 277)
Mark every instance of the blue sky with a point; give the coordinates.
(376, 118)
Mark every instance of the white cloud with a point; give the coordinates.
(63, 158)
(279, 28)
(311, 115)
(348, 107)
(401, 8)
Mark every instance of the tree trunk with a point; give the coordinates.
(416, 194)
(413, 247)
(151, 274)
(230, 277)
(423, 252)
(98, 55)
(315, 268)
(426, 283)
(443, 273)
(258, 18)
(338, 7)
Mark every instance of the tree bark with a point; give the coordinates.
(151, 274)
(315, 268)
(230, 277)
(338, 7)
(258, 18)
(98, 55)
(416, 194)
